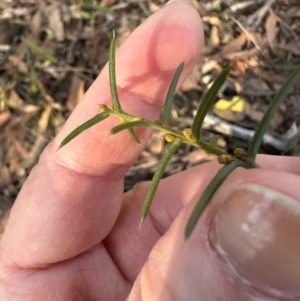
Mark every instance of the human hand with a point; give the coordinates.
(73, 235)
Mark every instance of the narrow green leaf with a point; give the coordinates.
(207, 196)
(169, 151)
(268, 116)
(97, 7)
(39, 50)
(83, 127)
(113, 83)
(134, 135)
(214, 140)
(112, 74)
(207, 101)
(166, 111)
(128, 125)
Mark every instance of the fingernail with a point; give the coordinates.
(256, 236)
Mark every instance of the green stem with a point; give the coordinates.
(135, 121)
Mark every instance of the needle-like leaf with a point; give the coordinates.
(166, 111)
(83, 127)
(112, 74)
(134, 135)
(147, 124)
(206, 102)
(169, 151)
(128, 125)
(113, 83)
(214, 140)
(207, 196)
(39, 50)
(268, 116)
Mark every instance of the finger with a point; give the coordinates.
(72, 197)
(288, 164)
(130, 246)
(145, 65)
(245, 246)
(79, 278)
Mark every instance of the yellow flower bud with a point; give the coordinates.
(170, 138)
(225, 159)
(240, 153)
(102, 108)
(187, 133)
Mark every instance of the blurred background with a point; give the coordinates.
(51, 52)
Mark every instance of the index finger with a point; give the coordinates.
(72, 197)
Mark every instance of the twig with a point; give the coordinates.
(253, 40)
(219, 125)
(256, 18)
(243, 5)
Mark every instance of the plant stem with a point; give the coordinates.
(135, 121)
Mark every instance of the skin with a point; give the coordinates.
(73, 235)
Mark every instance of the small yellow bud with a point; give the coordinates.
(137, 118)
(240, 153)
(187, 133)
(122, 120)
(103, 108)
(225, 159)
(170, 138)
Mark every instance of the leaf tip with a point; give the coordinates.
(188, 231)
(59, 147)
(141, 222)
(186, 234)
(63, 143)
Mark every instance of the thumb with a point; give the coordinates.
(256, 236)
(245, 246)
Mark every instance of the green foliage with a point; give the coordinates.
(166, 111)
(89, 5)
(113, 83)
(207, 195)
(112, 74)
(83, 127)
(36, 48)
(206, 103)
(240, 158)
(169, 151)
(268, 116)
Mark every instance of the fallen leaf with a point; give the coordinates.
(36, 22)
(18, 104)
(271, 31)
(292, 47)
(55, 22)
(270, 77)
(4, 117)
(76, 92)
(214, 39)
(234, 45)
(192, 81)
(232, 110)
(18, 63)
(213, 20)
(241, 55)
